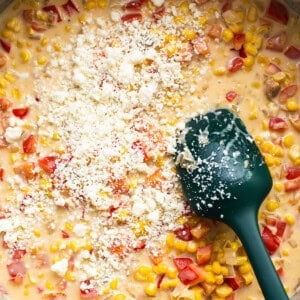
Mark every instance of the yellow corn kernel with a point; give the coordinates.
(144, 270)
(202, 20)
(267, 146)
(278, 186)
(253, 114)
(90, 5)
(279, 77)
(191, 247)
(57, 46)
(216, 267)
(285, 252)
(197, 293)
(170, 240)
(180, 245)
(241, 260)
(173, 282)
(120, 297)
(249, 35)
(257, 41)
(224, 271)
(249, 61)
(290, 219)
(10, 77)
(2, 92)
(294, 154)
(227, 35)
(252, 14)
(36, 232)
(68, 226)
(248, 278)
(234, 245)
(245, 268)
(102, 3)
(42, 60)
(3, 83)
(8, 34)
(219, 279)
(263, 59)
(25, 55)
(250, 49)
(184, 7)
(223, 290)
(172, 272)
(292, 105)
(219, 71)
(272, 205)
(288, 140)
(256, 84)
(171, 49)
(69, 276)
(74, 245)
(208, 268)
(210, 277)
(237, 27)
(277, 151)
(161, 268)
(114, 284)
(26, 292)
(150, 289)
(31, 278)
(49, 285)
(189, 34)
(179, 19)
(14, 25)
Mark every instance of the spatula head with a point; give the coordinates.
(221, 169)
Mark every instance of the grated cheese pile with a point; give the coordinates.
(106, 97)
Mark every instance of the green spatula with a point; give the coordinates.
(225, 178)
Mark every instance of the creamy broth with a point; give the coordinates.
(91, 207)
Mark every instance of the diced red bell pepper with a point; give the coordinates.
(160, 279)
(184, 233)
(48, 164)
(203, 254)
(280, 272)
(231, 95)
(65, 234)
(277, 12)
(158, 13)
(277, 124)
(87, 291)
(271, 241)
(139, 245)
(29, 145)
(5, 104)
(54, 10)
(20, 112)
(242, 52)
(6, 45)
(16, 271)
(192, 275)
(292, 185)
(287, 92)
(234, 282)
(238, 41)
(1, 174)
(133, 5)
(69, 7)
(132, 17)
(18, 253)
(26, 170)
(182, 262)
(235, 64)
(277, 42)
(280, 228)
(292, 52)
(292, 173)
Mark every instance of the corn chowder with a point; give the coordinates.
(91, 96)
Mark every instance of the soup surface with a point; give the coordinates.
(91, 96)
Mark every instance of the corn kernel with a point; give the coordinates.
(277, 151)
(210, 277)
(191, 247)
(41, 60)
(223, 291)
(69, 276)
(180, 245)
(241, 260)
(170, 239)
(267, 146)
(14, 25)
(36, 232)
(250, 49)
(9, 77)
(294, 154)
(150, 289)
(292, 105)
(184, 7)
(245, 268)
(26, 292)
(189, 34)
(224, 271)
(290, 219)
(114, 284)
(49, 285)
(249, 61)
(102, 3)
(219, 279)
(90, 5)
(272, 205)
(288, 140)
(237, 27)
(57, 46)
(219, 71)
(173, 283)
(25, 55)
(3, 83)
(120, 297)
(252, 14)
(248, 278)
(257, 41)
(285, 252)
(172, 272)
(161, 268)
(2, 92)
(202, 20)
(278, 186)
(171, 49)
(179, 19)
(216, 267)
(227, 35)
(31, 278)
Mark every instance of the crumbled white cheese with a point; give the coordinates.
(60, 267)
(158, 2)
(13, 134)
(80, 229)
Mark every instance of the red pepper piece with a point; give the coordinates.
(293, 172)
(238, 41)
(182, 262)
(184, 233)
(6, 45)
(277, 12)
(287, 92)
(192, 274)
(204, 254)
(292, 185)
(234, 282)
(29, 145)
(1, 174)
(271, 241)
(231, 95)
(133, 5)
(18, 253)
(277, 42)
(292, 52)
(158, 13)
(88, 291)
(17, 271)
(160, 279)
(20, 112)
(48, 164)
(277, 124)
(54, 10)
(132, 17)
(69, 7)
(235, 64)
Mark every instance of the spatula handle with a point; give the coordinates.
(246, 227)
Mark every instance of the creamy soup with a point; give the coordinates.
(92, 95)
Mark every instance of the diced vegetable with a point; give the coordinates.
(1, 174)
(26, 170)
(272, 69)
(192, 274)
(87, 290)
(277, 124)
(200, 230)
(134, 5)
(20, 112)
(5, 104)
(203, 254)
(182, 262)
(235, 64)
(6, 45)
(17, 271)
(52, 9)
(293, 172)
(48, 164)
(200, 45)
(238, 41)
(29, 144)
(271, 241)
(287, 93)
(234, 282)
(231, 95)
(292, 185)
(158, 13)
(277, 42)
(184, 233)
(292, 52)
(277, 12)
(69, 7)
(132, 17)
(18, 253)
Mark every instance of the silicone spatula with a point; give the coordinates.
(225, 178)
